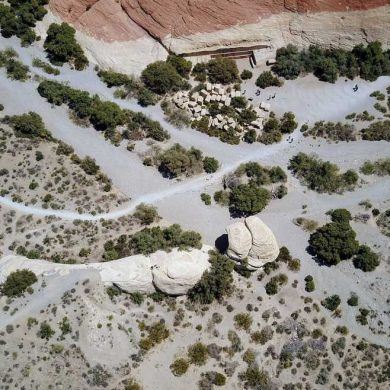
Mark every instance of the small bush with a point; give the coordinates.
(332, 302)
(18, 282)
(198, 354)
(267, 79)
(243, 321)
(366, 259)
(179, 367)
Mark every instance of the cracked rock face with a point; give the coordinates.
(252, 241)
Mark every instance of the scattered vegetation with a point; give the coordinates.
(150, 240)
(321, 176)
(19, 17)
(103, 115)
(47, 68)
(379, 167)
(369, 62)
(332, 131)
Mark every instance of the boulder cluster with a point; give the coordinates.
(197, 104)
(251, 243)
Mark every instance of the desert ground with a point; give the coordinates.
(101, 350)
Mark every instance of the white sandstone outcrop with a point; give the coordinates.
(240, 241)
(173, 273)
(252, 242)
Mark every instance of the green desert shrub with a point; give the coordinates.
(267, 79)
(146, 214)
(366, 259)
(161, 77)
(215, 283)
(248, 199)
(28, 125)
(61, 46)
(183, 67)
(246, 74)
(179, 367)
(150, 240)
(243, 321)
(368, 62)
(335, 241)
(379, 167)
(222, 70)
(198, 354)
(331, 303)
(19, 17)
(18, 282)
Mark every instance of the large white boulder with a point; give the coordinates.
(176, 272)
(264, 245)
(240, 241)
(252, 243)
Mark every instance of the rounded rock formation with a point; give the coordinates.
(176, 274)
(252, 243)
(240, 241)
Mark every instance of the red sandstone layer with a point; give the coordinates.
(124, 20)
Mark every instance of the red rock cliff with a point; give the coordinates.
(129, 19)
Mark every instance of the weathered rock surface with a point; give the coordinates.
(173, 273)
(176, 274)
(252, 241)
(240, 241)
(187, 26)
(264, 246)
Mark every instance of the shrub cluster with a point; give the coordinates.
(150, 240)
(332, 131)
(218, 70)
(267, 79)
(274, 128)
(377, 131)
(336, 241)
(131, 87)
(157, 333)
(15, 69)
(379, 167)
(243, 192)
(28, 125)
(321, 176)
(162, 77)
(18, 282)
(178, 161)
(61, 46)
(215, 283)
(19, 18)
(369, 62)
(103, 115)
